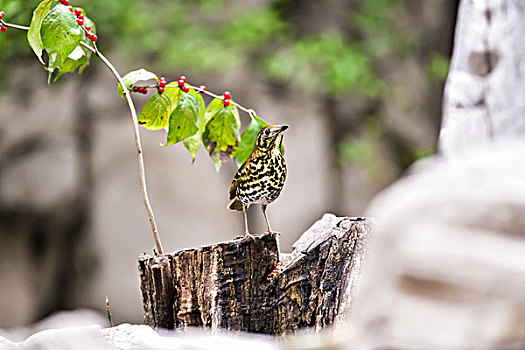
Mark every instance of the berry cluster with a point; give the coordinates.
(162, 84)
(80, 20)
(182, 84)
(2, 27)
(227, 98)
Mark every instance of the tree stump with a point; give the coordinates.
(229, 285)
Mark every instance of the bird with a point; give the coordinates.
(261, 177)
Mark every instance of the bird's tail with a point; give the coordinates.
(236, 205)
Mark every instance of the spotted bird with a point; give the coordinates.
(261, 178)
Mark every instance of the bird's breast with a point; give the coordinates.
(264, 179)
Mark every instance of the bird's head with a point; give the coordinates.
(270, 137)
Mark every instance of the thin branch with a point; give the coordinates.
(88, 47)
(250, 111)
(15, 26)
(138, 143)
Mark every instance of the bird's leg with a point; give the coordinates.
(267, 221)
(247, 233)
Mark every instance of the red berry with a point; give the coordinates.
(78, 12)
(3, 29)
(64, 2)
(162, 82)
(142, 90)
(227, 95)
(81, 17)
(71, 9)
(80, 22)
(161, 89)
(88, 28)
(226, 103)
(181, 83)
(186, 88)
(202, 87)
(183, 78)
(2, 14)
(93, 37)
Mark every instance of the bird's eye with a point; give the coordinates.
(267, 132)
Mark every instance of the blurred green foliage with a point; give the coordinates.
(212, 36)
(364, 150)
(438, 68)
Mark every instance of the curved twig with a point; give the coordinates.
(138, 144)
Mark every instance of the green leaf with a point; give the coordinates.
(133, 77)
(71, 65)
(33, 35)
(216, 105)
(183, 120)
(80, 56)
(248, 139)
(155, 115)
(60, 35)
(174, 94)
(193, 143)
(262, 122)
(221, 135)
(235, 112)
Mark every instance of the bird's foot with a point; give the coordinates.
(249, 235)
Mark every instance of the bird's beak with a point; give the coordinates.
(283, 128)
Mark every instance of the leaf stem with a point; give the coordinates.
(138, 143)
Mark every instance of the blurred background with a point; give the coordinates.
(359, 82)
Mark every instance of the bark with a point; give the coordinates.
(229, 285)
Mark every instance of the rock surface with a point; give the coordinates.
(446, 267)
(448, 256)
(136, 337)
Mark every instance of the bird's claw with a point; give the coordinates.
(249, 235)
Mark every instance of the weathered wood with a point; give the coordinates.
(485, 87)
(228, 285)
(156, 279)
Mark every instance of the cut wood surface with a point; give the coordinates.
(228, 285)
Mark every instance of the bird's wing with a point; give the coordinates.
(233, 187)
(235, 181)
